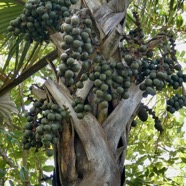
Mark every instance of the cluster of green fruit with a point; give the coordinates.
(143, 116)
(77, 48)
(80, 107)
(111, 80)
(43, 125)
(159, 72)
(176, 102)
(38, 17)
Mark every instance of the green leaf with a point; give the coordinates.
(22, 174)
(48, 168)
(183, 160)
(2, 173)
(11, 182)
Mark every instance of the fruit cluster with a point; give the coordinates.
(176, 102)
(77, 48)
(143, 116)
(80, 107)
(44, 121)
(40, 16)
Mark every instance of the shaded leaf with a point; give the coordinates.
(48, 168)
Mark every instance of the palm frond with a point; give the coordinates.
(9, 10)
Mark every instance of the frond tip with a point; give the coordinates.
(7, 107)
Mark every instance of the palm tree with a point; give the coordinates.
(91, 149)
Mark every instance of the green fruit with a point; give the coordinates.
(134, 65)
(44, 121)
(88, 47)
(75, 20)
(69, 74)
(156, 82)
(80, 115)
(149, 54)
(158, 126)
(84, 36)
(104, 87)
(79, 108)
(62, 67)
(54, 107)
(108, 97)
(87, 108)
(45, 16)
(66, 27)
(126, 84)
(55, 140)
(78, 100)
(97, 100)
(143, 48)
(97, 82)
(134, 123)
(29, 118)
(99, 93)
(39, 130)
(148, 82)
(47, 128)
(88, 23)
(64, 56)
(125, 95)
(58, 117)
(28, 126)
(161, 75)
(51, 117)
(108, 73)
(142, 87)
(49, 152)
(119, 79)
(84, 77)
(84, 56)
(27, 133)
(77, 44)
(178, 67)
(76, 55)
(75, 67)
(47, 137)
(69, 81)
(86, 65)
(142, 114)
(68, 39)
(119, 90)
(40, 10)
(37, 104)
(76, 31)
(103, 77)
(79, 84)
(151, 91)
(104, 104)
(55, 127)
(98, 59)
(128, 59)
(70, 61)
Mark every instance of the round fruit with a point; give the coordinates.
(49, 152)
(75, 20)
(68, 39)
(69, 74)
(80, 115)
(39, 130)
(51, 117)
(142, 114)
(28, 126)
(47, 128)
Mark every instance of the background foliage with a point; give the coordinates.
(151, 158)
